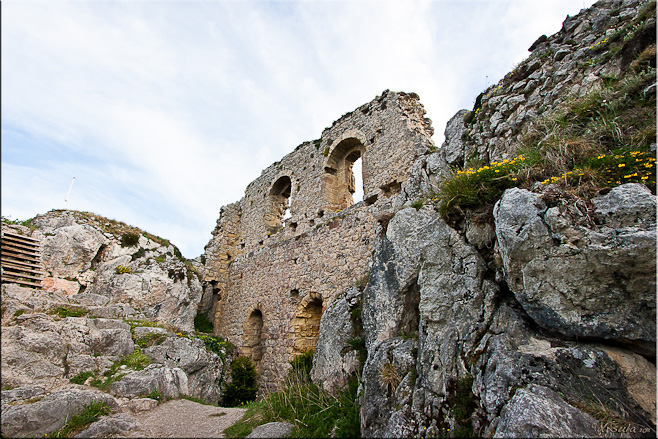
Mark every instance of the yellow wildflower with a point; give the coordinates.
(621, 165)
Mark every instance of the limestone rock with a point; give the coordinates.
(272, 430)
(204, 369)
(537, 411)
(388, 308)
(387, 388)
(567, 275)
(70, 251)
(640, 377)
(334, 361)
(50, 413)
(168, 382)
(41, 350)
(147, 279)
(454, 147)
(119, 425)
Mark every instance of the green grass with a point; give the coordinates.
(81, 377)
(217, 345)
(595, 142)
(312, 411)
(474, 187)
(81, 420)
(148, 340)
(252, 418)
(135, 361)
(129, 239)
(64, 312)
(202, 324)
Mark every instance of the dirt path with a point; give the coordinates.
(182, 419)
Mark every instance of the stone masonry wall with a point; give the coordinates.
(270, 277)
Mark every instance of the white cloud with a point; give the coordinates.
(164, 111)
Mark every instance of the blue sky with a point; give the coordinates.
(164, 111)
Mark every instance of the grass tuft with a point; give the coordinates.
(82, 420)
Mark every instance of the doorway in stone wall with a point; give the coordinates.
(306, 324)
(252, 345)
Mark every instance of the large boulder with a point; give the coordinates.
(166, 381)
(334, 360)
(204, 369)
(71, 249)
(584, 280)
(537, 411)
(145, 275)
(38, 349)
(42, 417)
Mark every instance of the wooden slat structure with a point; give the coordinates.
(21, 260)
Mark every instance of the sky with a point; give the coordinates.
(164, 111)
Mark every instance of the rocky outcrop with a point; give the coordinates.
(536, 319)
(87, 254)
(472, 345)
(105, 280)
(335, 360)
(166, 381)
(117, 425)
(595, 281)
(204, 369)
(42, 417)
(40, 349)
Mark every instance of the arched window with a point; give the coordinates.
(251, 339)
(279, 198)
(339, 180)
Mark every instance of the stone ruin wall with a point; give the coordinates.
(268, 279)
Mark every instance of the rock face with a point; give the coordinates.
(39, 350)
(100, 273)
(597, 281)
(96, 256)
(536, 320)
(204, 369)
(50, 413)
(334, 360)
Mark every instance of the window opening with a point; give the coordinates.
(341, 178)
(357, 172)
(279, 198)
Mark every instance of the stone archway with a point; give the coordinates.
(279, 198)
(252, 345)
(339, 181)
(306, 324)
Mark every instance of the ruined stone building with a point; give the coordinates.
(296, 240)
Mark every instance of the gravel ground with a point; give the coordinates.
(182, 419)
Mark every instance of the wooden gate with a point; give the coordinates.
(21, 260)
